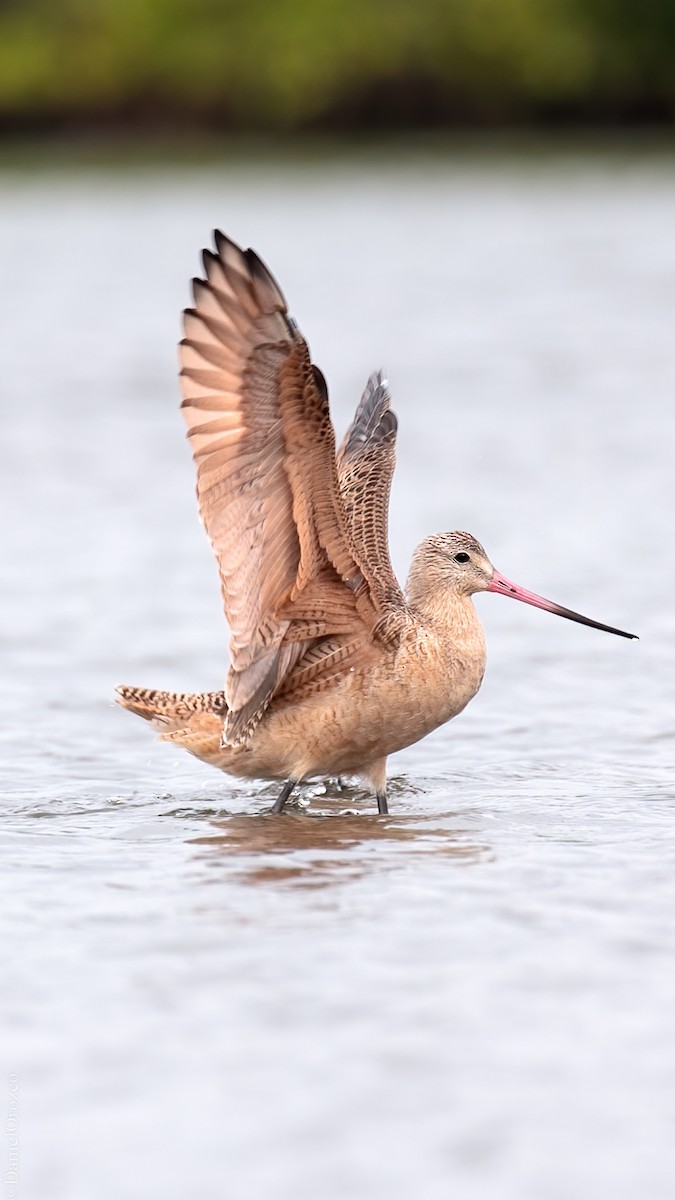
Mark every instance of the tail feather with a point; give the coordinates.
(169, 710)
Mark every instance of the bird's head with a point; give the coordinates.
(457, 562)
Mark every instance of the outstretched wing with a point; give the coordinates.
(262, 439)
(366, 462)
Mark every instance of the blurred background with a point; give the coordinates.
(475, 996)
(347, 65)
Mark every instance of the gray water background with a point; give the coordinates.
(476, 996)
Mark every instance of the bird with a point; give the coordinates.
(333, 665)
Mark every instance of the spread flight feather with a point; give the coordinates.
(300, 537)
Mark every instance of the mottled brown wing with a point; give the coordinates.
(366, 462)
(262, 439)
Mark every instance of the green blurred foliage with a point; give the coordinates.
(303, 64)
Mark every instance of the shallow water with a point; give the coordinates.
(475, 995)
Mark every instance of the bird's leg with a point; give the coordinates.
(376, 774)
(285, 792)
(382, 807)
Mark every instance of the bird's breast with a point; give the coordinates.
(437, 679)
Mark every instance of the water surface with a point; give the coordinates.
(475, 995)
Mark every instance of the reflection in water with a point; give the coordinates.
(317, 848)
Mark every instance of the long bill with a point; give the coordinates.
(502, 585)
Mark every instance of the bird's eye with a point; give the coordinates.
(462, 557)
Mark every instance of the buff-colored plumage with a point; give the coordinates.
(333, 667)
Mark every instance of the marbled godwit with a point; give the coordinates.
(333, 666)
